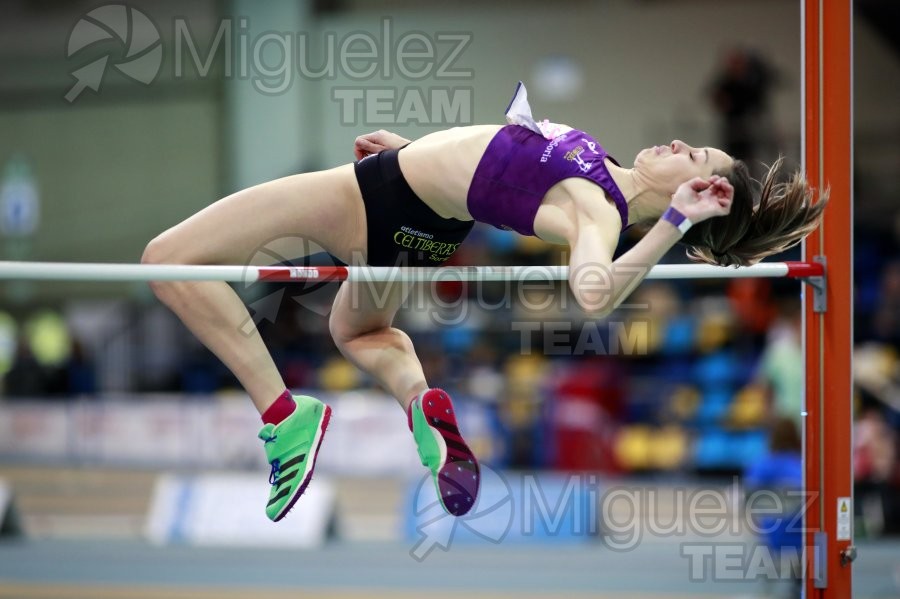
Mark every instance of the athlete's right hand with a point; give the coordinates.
(372, 143)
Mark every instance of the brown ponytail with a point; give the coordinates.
(780, 218)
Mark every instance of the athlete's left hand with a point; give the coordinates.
(372, 143)
(700, 199)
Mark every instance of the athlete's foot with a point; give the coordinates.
(442, 450)
(291, 449)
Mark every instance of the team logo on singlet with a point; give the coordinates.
(575, 155)
(413, 239)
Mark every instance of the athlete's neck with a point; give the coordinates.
(644, 202)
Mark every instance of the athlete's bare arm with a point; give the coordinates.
(599, 283)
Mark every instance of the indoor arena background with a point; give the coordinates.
(620, 455)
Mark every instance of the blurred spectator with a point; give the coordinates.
(875, 472)
(876, 371)
(751, 301)
(740, 94)
(781, 365)
(778, 472)
(886, 321)
(653, 307)
(81, 378)
(782, 466)
(25, 377)
(48, 361)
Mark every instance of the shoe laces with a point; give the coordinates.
(276, 469)
(276, 463)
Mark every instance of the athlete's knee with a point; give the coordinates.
(344, 332)
(161, 250)
(341, 332)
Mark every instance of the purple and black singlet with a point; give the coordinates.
(521, 163)
(525, 159)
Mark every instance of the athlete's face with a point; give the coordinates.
(667, 167)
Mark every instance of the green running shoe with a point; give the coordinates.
(442, 450)
(291, 448)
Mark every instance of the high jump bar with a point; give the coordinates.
(74, 271)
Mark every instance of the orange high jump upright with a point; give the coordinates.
(828, 160)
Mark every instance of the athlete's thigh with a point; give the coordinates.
(281, 219)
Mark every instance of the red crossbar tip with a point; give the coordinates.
(801, 270)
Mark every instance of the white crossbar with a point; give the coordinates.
(60, 271)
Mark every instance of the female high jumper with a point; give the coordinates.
(412, 204)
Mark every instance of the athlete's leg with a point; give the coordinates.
(361, 325)
(323, 207)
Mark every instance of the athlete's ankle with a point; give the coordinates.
(411, 400)
(283, 406)
(409, 421)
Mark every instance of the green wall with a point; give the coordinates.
(113, 176)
